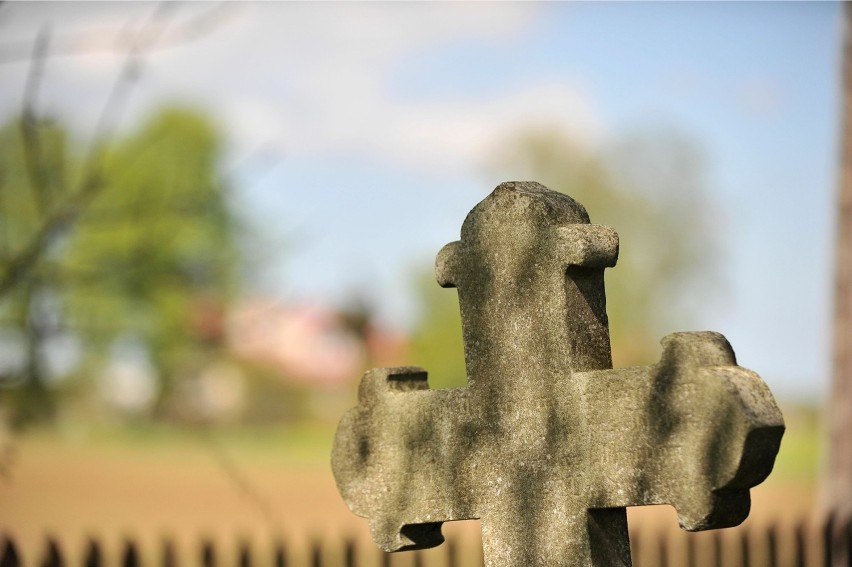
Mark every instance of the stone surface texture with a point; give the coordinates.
(547, 444)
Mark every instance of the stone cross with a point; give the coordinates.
(547, 444)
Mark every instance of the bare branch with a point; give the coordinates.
(141, 43)
(4, 229)
(200, 26)
(33, 155)
(33, 84)
(239, 480)
(55, 224)
(60, 219)
(115, 41)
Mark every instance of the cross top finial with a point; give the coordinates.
(510, 267)
(547, 444)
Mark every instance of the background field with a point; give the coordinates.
(258, 484)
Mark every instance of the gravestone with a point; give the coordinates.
(547, 444)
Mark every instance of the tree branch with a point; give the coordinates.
(62, 217)
(22, 264)
(114, 41)
(142, 42)
(4, 229)
(33, 155)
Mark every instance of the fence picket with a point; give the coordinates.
(93, 556)
(841, 552)
(130, 557)
(745, 547)
(279, 554)
(53, 555)
(10, 554)
(828, 540)
(349, 553)
(208, 554)
(663, 545)
(800, 549)
(316, 554)
(827, 543)
(847, 537)
(717, 548)
(690, 550)
(244, 554)
(452, 559)
(169, 554)
(772, 545)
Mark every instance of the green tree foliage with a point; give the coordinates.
(150, 257)
(31, 179)
(650, 189)
(436, 343)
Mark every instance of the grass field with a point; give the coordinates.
(254, 483)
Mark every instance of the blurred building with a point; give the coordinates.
(309, 344)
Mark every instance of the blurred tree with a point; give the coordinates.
(26, 309)
(45, 189)
(151, 258)
(155, 256)
(649, 188)
(436, 342)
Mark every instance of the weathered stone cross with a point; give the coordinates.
(547, 444)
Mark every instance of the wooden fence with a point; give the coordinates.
(801, 544)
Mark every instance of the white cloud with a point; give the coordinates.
(315, 78)
(333, 91)
(454, 134)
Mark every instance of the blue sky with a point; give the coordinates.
(381, 118)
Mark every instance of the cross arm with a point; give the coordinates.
(587, 245)
(399, 457)
(694, 430)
